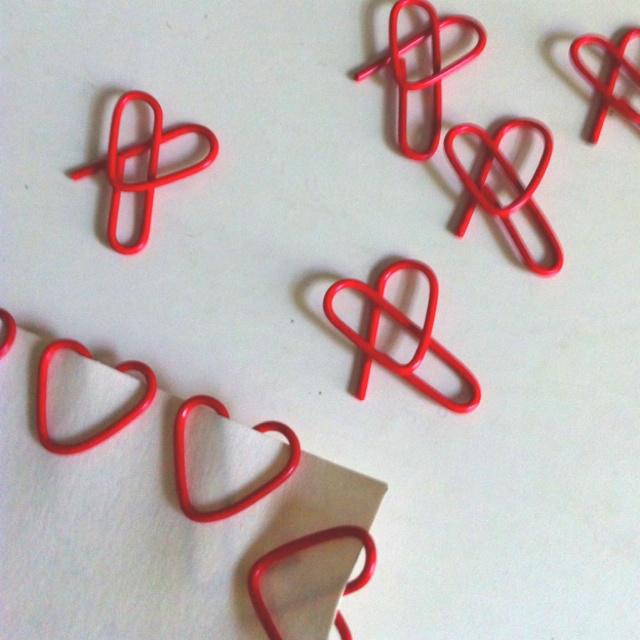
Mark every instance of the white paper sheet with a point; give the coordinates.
(95, 545)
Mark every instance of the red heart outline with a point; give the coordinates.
(383, 305)
(10, 332)
(621, 105)
(423, 334)
(483, 195)
(301, 544)
(214, 515)
(43, 380)
(492, 144)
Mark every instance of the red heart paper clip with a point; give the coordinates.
(432, 81)
(214, 515)
(479, 193)
(118, 425)
(302, 544)
(116, 160)
(615, 61)
(9, 332)
(422, 334)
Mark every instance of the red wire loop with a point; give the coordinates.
(433, 81)
(114, 166)
(302, 544)
(422, 333)
(615, 61)
(43, 381)
(9, 332)
(479, 193)
(214, 515)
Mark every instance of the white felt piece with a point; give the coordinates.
(95, 546)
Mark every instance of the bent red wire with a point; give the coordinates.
(422, 334)
(614, 61)
(432, 81)
(9, 332)
(43, 383)
(214, 515)
(297, 546)
(114, 166)
(479, 193)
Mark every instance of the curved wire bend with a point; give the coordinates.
(422, 333)
(43, 383)
(614, 60)
(432, 81)
(214, 515)
(114, 166)
(302, 544)
(9, 332)
(479, 193)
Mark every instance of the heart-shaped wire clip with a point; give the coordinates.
(9, 332)
(213, 515)
(433, 81)
(614, 61)
(422, 333)
(302, 544)
(479, 193)
(43, 382)
(116, 160)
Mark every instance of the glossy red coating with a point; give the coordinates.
(422, 333)
(431, 82)
(43, 379)
(114, 166)
(213, 515)
(9, 332)
(302, 544)
(479, 193)
(614, 60)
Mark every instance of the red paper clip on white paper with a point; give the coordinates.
(614, 61)
(423, 334)
(42, 400)
(480, 193)
(213, 515)
(298, 546)
(432, 82)
(114, 165)
(9, 332)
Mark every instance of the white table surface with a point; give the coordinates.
(520, 520)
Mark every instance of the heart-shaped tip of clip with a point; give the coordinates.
(490, 145)
(297, 546)
(435, 27)
(382, 305)
(214, 515)
(9, 332)
(614, 57)
(115, 158)
(43, 382)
